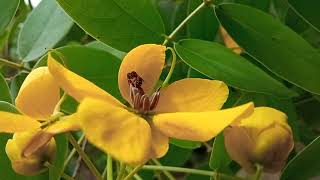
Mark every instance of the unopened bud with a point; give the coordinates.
(264, 138)
(33, 163)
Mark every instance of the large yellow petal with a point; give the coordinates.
(38, 94)
(10, 122)
(75, 85)
(159, 144)
(115, 130)
(199, 126)
(193, 95)
(147, 61)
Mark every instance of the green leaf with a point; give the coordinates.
(43, 28)
(4, 90)
(61, 154)
(308, 10)
(273, 44)
(98, 66)
(304, 165)
(219, 156)
(122, 24)
(176, 156)
(16, 83)
(104, 47)
(6, 170)
(204, 25)
(219, 62)
(8, 9)
(185, 144)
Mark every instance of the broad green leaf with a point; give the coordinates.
(308, 10)
(43, 28)
(185, 144)
(6, 170)
(273, 44)
(122, 24)
(219, 156)
(173, 12)
(176, 156)
(104, 47)
(98, 66)
(304, 165)
(61, 154)
(219, 62)
(4, 90)
(8, 9)
(203, 25)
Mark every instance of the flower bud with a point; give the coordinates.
(33, 163)
(263, 138)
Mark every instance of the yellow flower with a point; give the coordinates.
(187, 109)
(36, 100)
(32, 164)
(263, 138)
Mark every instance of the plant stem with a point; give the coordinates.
(79, 160)
(133, 172)
(173, 65)
(108, 171)
(13, 64)
(190, 171)
(65, 176)
(258, 173)
(180, 26)
(166, 173)
(73, 151)
(121, 171)
(84, 156)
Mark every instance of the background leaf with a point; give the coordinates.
(185, 144)
(122, 24)
(204, 25)
(4, 90)
(308, 10)
(218, 62)
(61, 154)
(44, 27)
(219, 156)
(273, 44)
(101, 46)
(8, 9)
(303, 165)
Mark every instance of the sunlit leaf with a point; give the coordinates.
(273, 44)
(44, 27)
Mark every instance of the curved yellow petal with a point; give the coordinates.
(77, 86)
(43, 136)
(159, 143)
(33, 163)
(238, 145)
(10, 122)
(147, 61)
(199, 126)
(38, 94)
(116, 131)
(192, 95)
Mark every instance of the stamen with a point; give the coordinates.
(145, 103)
(136, 102)
(154, 100)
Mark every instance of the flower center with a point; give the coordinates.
(141, 101)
